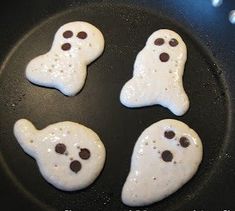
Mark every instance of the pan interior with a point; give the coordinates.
(97, 106)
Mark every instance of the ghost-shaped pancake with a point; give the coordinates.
(64, 67)
(70, 156)
(166, 156)
(157, 75)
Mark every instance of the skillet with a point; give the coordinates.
(27, 30)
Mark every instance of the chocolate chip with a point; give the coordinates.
(67, 34)
(164, 57)
(159, 41)
(169, 134)
(82, 35)
(66, 47)
(60, 148)
(173, 42)
(75, 166)
(184, 142)
(84, 154)
(167, 156)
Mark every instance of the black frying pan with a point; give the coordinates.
(27, 30)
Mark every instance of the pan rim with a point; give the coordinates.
(192, 37)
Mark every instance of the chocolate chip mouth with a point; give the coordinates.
(167, 156)
(66, 46)
(164, 57)
(75, 166)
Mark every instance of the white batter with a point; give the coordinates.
(70, 156)
(166, 155)
(64, 67)
(158, 72)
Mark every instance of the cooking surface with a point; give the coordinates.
(208, 80)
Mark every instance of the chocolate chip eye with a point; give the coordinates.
(173, 42)
(60, 148)
(169, 134)
(184, 142)
(75, 166)
(164, 57)
(82, 35)
(67, 34)
(167, 156)
(65, 46)
(84, 154)
(159, 41)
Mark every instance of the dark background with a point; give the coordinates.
(209, 82)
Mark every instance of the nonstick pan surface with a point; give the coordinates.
(27, 30)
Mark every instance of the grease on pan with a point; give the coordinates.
(232, 16)
(217, 3)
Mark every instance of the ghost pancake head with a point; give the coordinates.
(167, 46)
(79, 40)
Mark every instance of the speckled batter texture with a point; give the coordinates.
(166, 156)
(158, 72)
(70, 156)
(64, 67)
